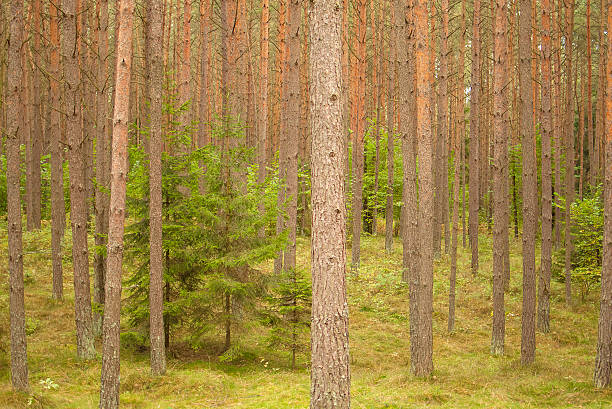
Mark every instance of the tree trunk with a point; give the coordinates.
(458, 140)
(407, 127)
(474, 137)
(156, 265)
(589, 102)
(569, 149)
(422, 361)
(58, 207)
(19, 358)
(603, 361)
(529, 185)
(558, 118)
(291, 114)
(500, 184)
(377, 77)
(102, 165)
(359, 135)
(391, 95)
(546, 131)
(262, 125)
(36, 131)
(184, 85)
(283, 145)
(78, 192)
(580, 100)
(461, 118)
(204, 125)
(443, 124)
(330, 375)
(109, 388)
(600, 120)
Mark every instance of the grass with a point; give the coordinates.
(465, 376)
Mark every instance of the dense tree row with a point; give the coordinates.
(208, 135)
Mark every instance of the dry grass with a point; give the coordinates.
(465, 376)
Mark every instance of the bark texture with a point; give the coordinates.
(291, 114)
(474, 138)
(359, 133)
(530, 186)
(109, 388)
(546, 128)
(603, 361)
(78, 187)
(102, 164)
(569, 147)
(58, 208)
(330, 375)
(422, 359)
(156, 279)
(500, 183)
(19, 358)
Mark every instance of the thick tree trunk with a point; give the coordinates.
(78, 186)
(57, 173)
(330, 375)
(546, 132)
(156, 265)
(422, 361)
(19, 358)
(407, 128)
(109, 388)
(529, 186)
(500, 184)
(474, 137)
(603, 361)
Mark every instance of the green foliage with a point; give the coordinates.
(587, 231)
(587, 238)
(218, 222)
(133, 341)
(373, 199)
(287, 312)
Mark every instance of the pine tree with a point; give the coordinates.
(529, 186)
(19, 358)
(109, 387)
(603, 361)
(330, 375)
(156, 281)
(78, 186)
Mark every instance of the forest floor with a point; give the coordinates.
(465, 376)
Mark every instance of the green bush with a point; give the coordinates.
(587, 238)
